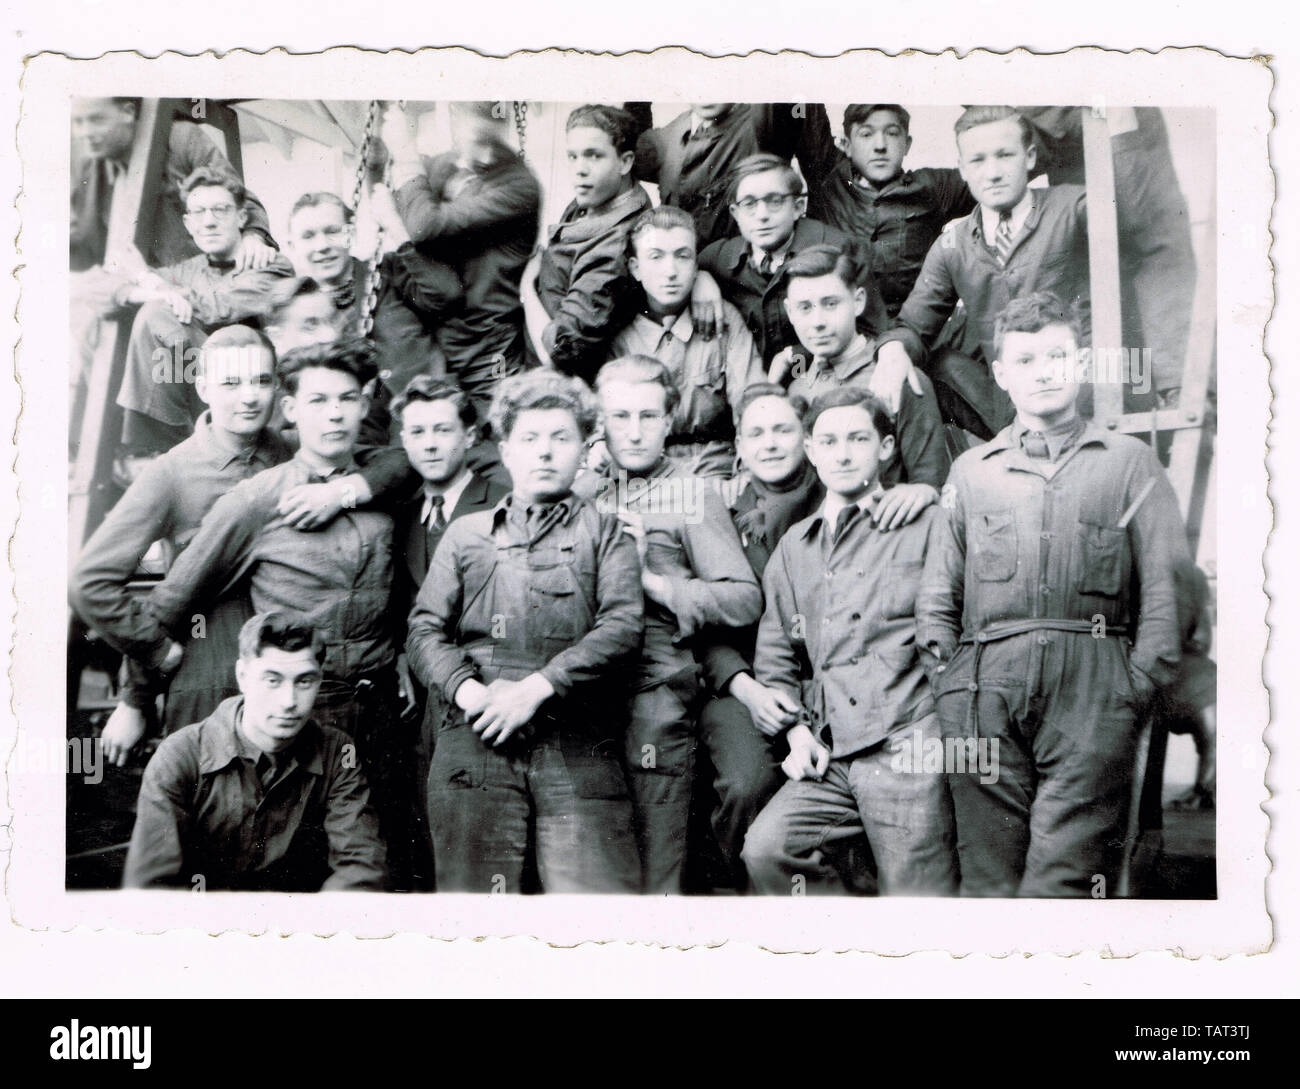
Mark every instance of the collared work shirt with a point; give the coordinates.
(692, 543)
(838, 633)
(1050, 253)
(505, 600)
(1016, 543)
(920, 448)
(712, 375)
(206, 811)
(583, 281)
(900, 220)
(166, 502)
(338, 578)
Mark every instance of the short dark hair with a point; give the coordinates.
(424, 388)
(237, 336)
(848, 396)
(642, 368)
(761, 164)
(823, 259)
(287, 293)
(541, 389)
(857, 114)
(761, 390)
(665, 217)
(1030, 313)
(207, 176)
(352, 356)
(316, 199)
(619, 125)
(973, 116)
(284, 631)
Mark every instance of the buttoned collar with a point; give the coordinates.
(220, 742)
(224, 451)
(450, 495)
(650, 329)
(778, 257)
(508, 505)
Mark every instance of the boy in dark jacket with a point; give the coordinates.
(869, 195)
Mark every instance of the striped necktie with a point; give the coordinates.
(1002, 237)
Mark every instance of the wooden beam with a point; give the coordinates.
(1103, 260)
(138, 189)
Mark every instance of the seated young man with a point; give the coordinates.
(472, 210)
(320, 244)
(898, 213)
(577, 292)
(529, 616)
(1048, 617)
(1017, 241)
(232, 441)
(837, 651)
(767, 198)
(824, 297)
(179, 306)
(694, 575)
(258, 795)
(710, 375)
(739, 723)
(692, 157)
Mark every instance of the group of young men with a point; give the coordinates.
(657, 519)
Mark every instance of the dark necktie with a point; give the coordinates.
(1035, 445)
(846, 518)
(435, 519)
(1002, 237)
(765, 265)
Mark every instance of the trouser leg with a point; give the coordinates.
(992, 818)
(660, 755)
(746, 774)
(967, 394)
(1083, 750)
(479, 813)
(907, 815)
(787, 850)
(584, 834)
(158, 382)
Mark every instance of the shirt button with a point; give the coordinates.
(973, 686)
(1042, 640)
(853, 661)
(852, 702)
(385, 374)
(857, 616)
(1045, 536)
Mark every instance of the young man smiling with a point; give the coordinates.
(258, 795)
(180, 305)
(1048, 618)
(711, 375)
(320, 243)
(837, 653)
(526, 624)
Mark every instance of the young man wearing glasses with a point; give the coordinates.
(179, 306)
(769, 204)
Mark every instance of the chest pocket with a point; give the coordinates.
(1102, 549)
(557, 592)
(995, 546)
(903, 579)
(708, 371)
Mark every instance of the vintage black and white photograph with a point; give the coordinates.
(669, 499)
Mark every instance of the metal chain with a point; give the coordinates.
(521, 125)
(371, 297)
